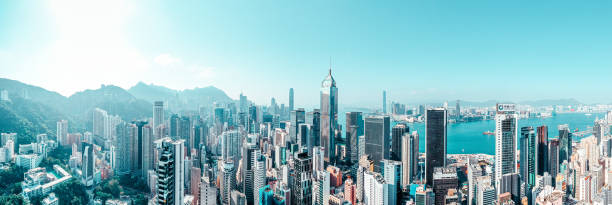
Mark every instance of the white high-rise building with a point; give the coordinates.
(373, 188)
(321, 188)
(148, 159)
(170, 173)
(317, 159)
(474, 171)
(407, 159)
(208, 192)
(506, 142)
(62, 132)
(486, 192)
(158, 115)
(228, 181)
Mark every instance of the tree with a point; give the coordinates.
(72, 192)
(12, 199)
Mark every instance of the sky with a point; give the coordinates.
(418, 51)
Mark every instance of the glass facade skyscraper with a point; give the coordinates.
(329, 117)
(435, 141)
(377, 139)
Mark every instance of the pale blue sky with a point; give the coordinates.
(419, 51)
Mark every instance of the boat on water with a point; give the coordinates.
(588, 114)
(488, 133)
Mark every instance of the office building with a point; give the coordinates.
(444, 178)
(542, 150)
(506, 141)
(396, 138)
(408, 159)
(384, 102)
(377, 138)
(321, 188)
(87, 167)
(424, 196)
(228, 181)
(158, 116)
(565, 143)
(474, 171)
(314, 119)
(435, 141)
(302, 184)
(354, 129)
(170, 171)
(291, 99)
(528, 157)
(329, 117)
(511, 183)
(553, 157)
(297, 117)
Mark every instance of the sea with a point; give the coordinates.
(468, 137)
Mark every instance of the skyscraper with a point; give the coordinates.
(408, 169)
(170, 171)
(314, 119)
(302, 185)
(384, 102)
(88, 164)
(553, 157)
(243, 103)
(377, 139)
(354, 129)
(291, 99)
(505, 142)
(175, 120)
(528, 157)
(62, 132)
(435, 141)
(228, 181)
(444, 178)
(565, 143)
(252, 154)
(304, 139)
(392, 173)
(458, 111)
(122, 148)
(396, 139)
(158, 115)
(329, 116)
(542, 150)
(148, 159)
(297, 117)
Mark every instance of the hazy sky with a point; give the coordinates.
(419, 51)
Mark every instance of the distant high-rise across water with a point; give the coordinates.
(291, 99)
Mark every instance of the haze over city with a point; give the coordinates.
(420, 52)
(343, 102)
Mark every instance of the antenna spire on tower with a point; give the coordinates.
(330, 61)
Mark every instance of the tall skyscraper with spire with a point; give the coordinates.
(329, 116)
(291, 99)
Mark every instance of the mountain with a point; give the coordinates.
(152, 93)
(113, 99)
(188, 99)
(34, 93)
(28, 118)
